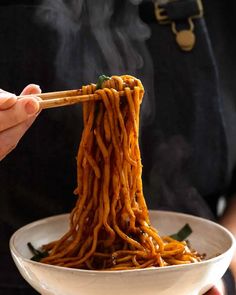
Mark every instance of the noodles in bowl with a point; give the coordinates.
(184, 279)
(109, 241)
(110, 226)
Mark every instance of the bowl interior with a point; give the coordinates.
(207, 237)
(191, 279)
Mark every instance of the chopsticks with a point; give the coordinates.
(69, 97)
(67, 100)
(64, 98)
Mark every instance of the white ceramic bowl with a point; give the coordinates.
(191, 279)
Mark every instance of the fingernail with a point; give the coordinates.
(36, 85)
(31, 107)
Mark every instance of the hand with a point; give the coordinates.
(16, 116)
(218, 289)
(214, 291)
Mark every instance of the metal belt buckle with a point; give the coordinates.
(161, 14)
(185, 38)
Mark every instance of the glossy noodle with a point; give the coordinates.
(109, 226)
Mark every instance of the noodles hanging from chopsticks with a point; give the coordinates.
(109, 226)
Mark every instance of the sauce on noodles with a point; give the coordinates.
(109, 226)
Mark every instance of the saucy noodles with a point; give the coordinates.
(109, 226)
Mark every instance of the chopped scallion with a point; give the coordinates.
(37, 255)
(183, 233)
(101, 79)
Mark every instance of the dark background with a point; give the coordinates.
(37, 179)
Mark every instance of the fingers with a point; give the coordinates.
(10, 137)
(7, 100)
(31, 89)
(16, 116)
(22, 110)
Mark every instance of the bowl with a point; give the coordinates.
(190, 279)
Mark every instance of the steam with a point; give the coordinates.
(108, 37)
(100, 37)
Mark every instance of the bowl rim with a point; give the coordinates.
(232, 246)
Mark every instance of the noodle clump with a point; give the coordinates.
(109, 226)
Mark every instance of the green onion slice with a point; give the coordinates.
(101, 79)
(183, 233)
(38, 255)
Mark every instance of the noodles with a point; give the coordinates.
(109, 226)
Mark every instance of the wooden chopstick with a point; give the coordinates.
(65, 101)
(56, 94)
(64, 98)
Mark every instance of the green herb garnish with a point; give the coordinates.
(38, 255)
(183, 233)
(101, 79)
